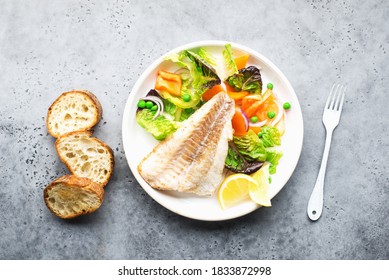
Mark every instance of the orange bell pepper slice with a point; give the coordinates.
(238, 123)
(212, 92)
(268, 106)
(249, 100)
(241, 61)
(251, 103)
(169, 82)
(237, 95)
(250, 111)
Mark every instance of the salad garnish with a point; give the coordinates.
(258, 122)
(247, 79)
(229, 62)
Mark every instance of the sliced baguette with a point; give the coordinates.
(70, 196)
(72, 111)
(86, 156)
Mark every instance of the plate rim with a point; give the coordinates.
(148, 71)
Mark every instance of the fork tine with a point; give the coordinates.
(338, 97)
(342, 100)
(333, 97)
(329, 96)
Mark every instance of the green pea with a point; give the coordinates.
(149, 104)
(271, 114)
(141, 104)
(186, 97)
(154, 108)
(254, 119)
(286, 106)
(270, 86)
(259, 134)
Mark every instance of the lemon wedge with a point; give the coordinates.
(235, 188)
(259, 192)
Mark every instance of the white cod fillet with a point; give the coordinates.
(192, 158)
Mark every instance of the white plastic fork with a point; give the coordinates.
(331, 117)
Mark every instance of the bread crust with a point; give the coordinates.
(89, 134)
(88, 94)
(72, 181)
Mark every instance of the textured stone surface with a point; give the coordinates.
(48, 47)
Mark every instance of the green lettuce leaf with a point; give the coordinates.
(178, 58)
(169, 107)
(270, 136)
(273, 156)
(209, 58)
(248, 79)
(202, 77)
(250, 146)
(229, 61)
(237, 163)
(160, 128)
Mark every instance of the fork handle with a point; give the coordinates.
(315, 204)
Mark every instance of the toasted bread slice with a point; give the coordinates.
(86, 156)
(72, 111)
(70, 196)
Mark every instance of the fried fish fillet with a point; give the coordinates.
(192, 159)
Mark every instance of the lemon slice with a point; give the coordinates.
(259, 192)
(235, 188)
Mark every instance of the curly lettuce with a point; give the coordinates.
(160, 128)
(250, 146)
(273, 156)
(203, 73)
(270, 136)
(247, 79)
(248, 152)
(202, 76)
(236, 162)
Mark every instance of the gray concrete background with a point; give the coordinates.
(48, 47)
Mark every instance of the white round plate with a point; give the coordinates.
(138, 142)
